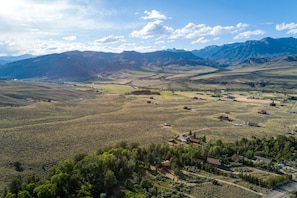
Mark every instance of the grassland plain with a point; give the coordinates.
(80, 119)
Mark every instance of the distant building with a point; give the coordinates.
(254, 124)
(187, 108)
(224, 117)
(262, 112)
(263, 159)
(193, 139)
(165, 163)
(272, 104)
(213, 161)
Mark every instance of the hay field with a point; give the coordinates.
(42, 132)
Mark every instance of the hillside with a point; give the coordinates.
(238, 52)
(80, 66)
(9, 59)
(168, 64)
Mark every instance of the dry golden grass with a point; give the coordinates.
(41, 133)
(208, 190)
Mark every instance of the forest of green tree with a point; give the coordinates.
(124, 167)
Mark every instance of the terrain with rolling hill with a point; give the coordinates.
(81, 66)
(77, 105)
(269, 60)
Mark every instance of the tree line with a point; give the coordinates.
(124, 167)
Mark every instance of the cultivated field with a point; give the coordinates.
(41, 123)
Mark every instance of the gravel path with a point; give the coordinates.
(281, 191)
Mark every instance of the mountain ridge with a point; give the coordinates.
(238, 52)
(78, 66)
(86, 65)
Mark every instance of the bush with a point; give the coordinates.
(18, 166)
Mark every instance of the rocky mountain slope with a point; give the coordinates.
(235, 53)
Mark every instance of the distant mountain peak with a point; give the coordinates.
(238, 52)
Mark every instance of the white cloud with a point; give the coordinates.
(34, 25)
(201, 40)
(111, 39)
(69, 38)
(192, 30)
(154, 14)
(286, 26)
(242, 25)
(248, 34)
(293, 31)
(45, 15)
(159, 42)
(152, 29)
(290, 27)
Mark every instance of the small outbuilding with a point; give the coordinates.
(272, 104)
(187, 108)
(214, 161)
(224, 117)
(167, 124)
(165, 163)
(254, 124)
(262, 112)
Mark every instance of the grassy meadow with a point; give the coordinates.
(42, 123)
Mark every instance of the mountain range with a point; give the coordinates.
(81, 66)
(8, 59)
(237, 52)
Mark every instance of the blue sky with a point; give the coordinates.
(52, 26)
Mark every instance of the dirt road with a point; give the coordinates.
(282, 190)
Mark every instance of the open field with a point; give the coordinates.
(78, 118)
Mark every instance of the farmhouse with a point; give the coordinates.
(224, 117)
(214, 161)
(192, 139)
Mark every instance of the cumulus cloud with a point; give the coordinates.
(159, 42)
(192, 30)
(154, 14)
(69, 38)
(201, 40)
(27, 23)
(290, 27)
(111, 39)
(152, 29)
(248, 34)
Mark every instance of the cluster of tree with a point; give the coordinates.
(125, 167)
(279, 148)
(270, 182)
